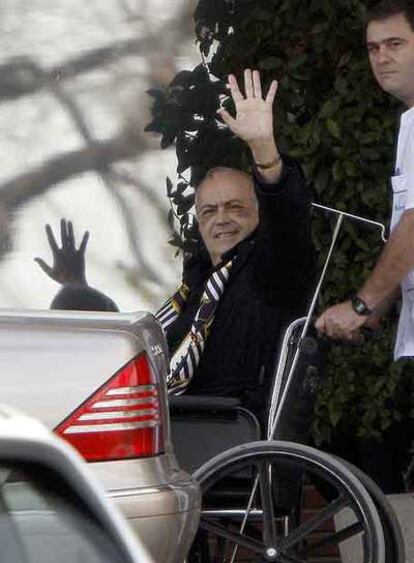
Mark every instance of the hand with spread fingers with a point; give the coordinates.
(254, 113)
(340, 322)
(68, 261)
(253, 123)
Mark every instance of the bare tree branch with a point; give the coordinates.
(22, 76)
(61, 167)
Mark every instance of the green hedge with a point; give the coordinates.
(331, 115)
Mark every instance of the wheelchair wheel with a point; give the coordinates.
(243, 521)
(394, 540)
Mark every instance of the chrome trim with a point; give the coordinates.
(281, 367)
(85, 429)
(137, 491)
(156, 350)
(185, 486)
(117, 414)
(134, 389)
(122, 403)
(235, 512)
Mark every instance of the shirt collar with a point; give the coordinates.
(407, 118)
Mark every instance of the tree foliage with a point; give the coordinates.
(332, 116)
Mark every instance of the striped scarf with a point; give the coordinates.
(185, 359)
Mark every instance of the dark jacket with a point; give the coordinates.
(269, 285)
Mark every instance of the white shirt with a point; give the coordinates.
(403, 188)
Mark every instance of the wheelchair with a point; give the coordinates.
(254, 487)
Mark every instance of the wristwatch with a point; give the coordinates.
(271, 164)
(359, 306)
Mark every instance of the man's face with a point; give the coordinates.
(390, 45)
(227, 211)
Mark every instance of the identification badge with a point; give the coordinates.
(399, 188)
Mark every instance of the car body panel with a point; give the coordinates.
(53, 361)
(52, 347)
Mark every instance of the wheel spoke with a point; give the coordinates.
(246, 516)
(299, 533)
(251, 524)
(220, 550)
(235, 537)
(269, 528)
(334, 539)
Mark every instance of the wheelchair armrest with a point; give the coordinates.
(204, 426)
(185, 403)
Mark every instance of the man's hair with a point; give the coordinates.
(210, 173)
(217, 169)
(387, 8)
(84, 298)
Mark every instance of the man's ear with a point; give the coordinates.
(199, 243)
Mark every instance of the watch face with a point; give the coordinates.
(359, 306)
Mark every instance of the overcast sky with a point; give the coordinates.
(55, 118)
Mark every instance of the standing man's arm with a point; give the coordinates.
(374, 320)
(396, 260)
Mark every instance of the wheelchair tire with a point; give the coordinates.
(221, 539)
(394, 540)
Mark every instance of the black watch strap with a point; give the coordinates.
(359, 306)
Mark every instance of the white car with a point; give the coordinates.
(51, 507)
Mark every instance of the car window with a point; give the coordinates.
(74, 77)
(43, 521)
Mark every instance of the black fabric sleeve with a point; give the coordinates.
(285, 256)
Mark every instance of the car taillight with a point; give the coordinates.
(121, 420)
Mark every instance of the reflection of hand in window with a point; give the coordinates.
(68, 261)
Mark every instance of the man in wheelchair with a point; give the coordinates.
(250, 276)
(254, 268)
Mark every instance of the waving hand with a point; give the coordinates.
(254, 113)
(68, 261)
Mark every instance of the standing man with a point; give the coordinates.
(390, 43)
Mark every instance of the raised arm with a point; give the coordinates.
(68, 261)
(284, 258)
(253, 123)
